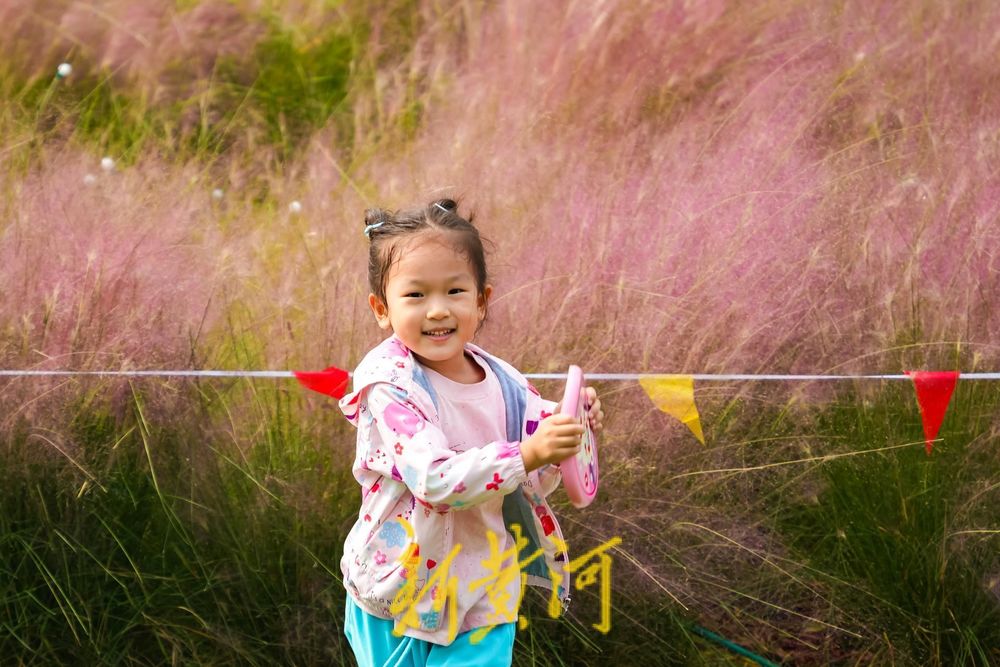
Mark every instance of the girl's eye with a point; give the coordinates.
(456, 290)
(415, 295)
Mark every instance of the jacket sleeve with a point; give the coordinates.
(549, 477)
(405, 445)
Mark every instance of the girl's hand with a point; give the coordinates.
(594, 413)
(556, 439)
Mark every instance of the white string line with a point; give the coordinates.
(533, 376)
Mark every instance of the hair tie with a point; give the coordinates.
(438, 204)
(369, 228)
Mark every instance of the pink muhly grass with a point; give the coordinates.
(728, 189)
(735, 189)
(118, 273)
(122, 273)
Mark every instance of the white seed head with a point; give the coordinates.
(217, 193)
(107, 164)
(295, 207)
(64, 70)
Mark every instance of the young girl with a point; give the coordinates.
(455, 457)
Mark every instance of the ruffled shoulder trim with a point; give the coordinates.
(390, 362)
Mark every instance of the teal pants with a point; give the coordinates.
(374, 645)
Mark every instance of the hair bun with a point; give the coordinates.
(373, 216)
(446, 205)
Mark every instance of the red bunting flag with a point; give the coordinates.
(331, 381)
(934, 389)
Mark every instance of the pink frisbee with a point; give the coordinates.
(579, 473)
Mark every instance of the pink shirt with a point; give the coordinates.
(473, 415)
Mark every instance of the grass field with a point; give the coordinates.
(782, 187)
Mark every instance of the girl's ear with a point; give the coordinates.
(484, 299)
(381, 312)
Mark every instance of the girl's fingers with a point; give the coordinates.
(571, 436)
(596, 417)
(562, 420)
(570, 426)
(593, 403)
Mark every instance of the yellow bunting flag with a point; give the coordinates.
(674, 394)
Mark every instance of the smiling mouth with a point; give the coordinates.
(439, 332)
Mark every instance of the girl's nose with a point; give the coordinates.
(437, 310)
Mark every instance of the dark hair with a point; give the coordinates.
(385, 229)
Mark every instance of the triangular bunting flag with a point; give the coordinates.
(674, 394)
(331, 381)
(934, 389)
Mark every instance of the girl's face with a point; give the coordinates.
(432, 304)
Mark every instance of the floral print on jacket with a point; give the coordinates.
(410, 477)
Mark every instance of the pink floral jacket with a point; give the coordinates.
(411, 478)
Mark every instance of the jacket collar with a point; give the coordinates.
(392, 362)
